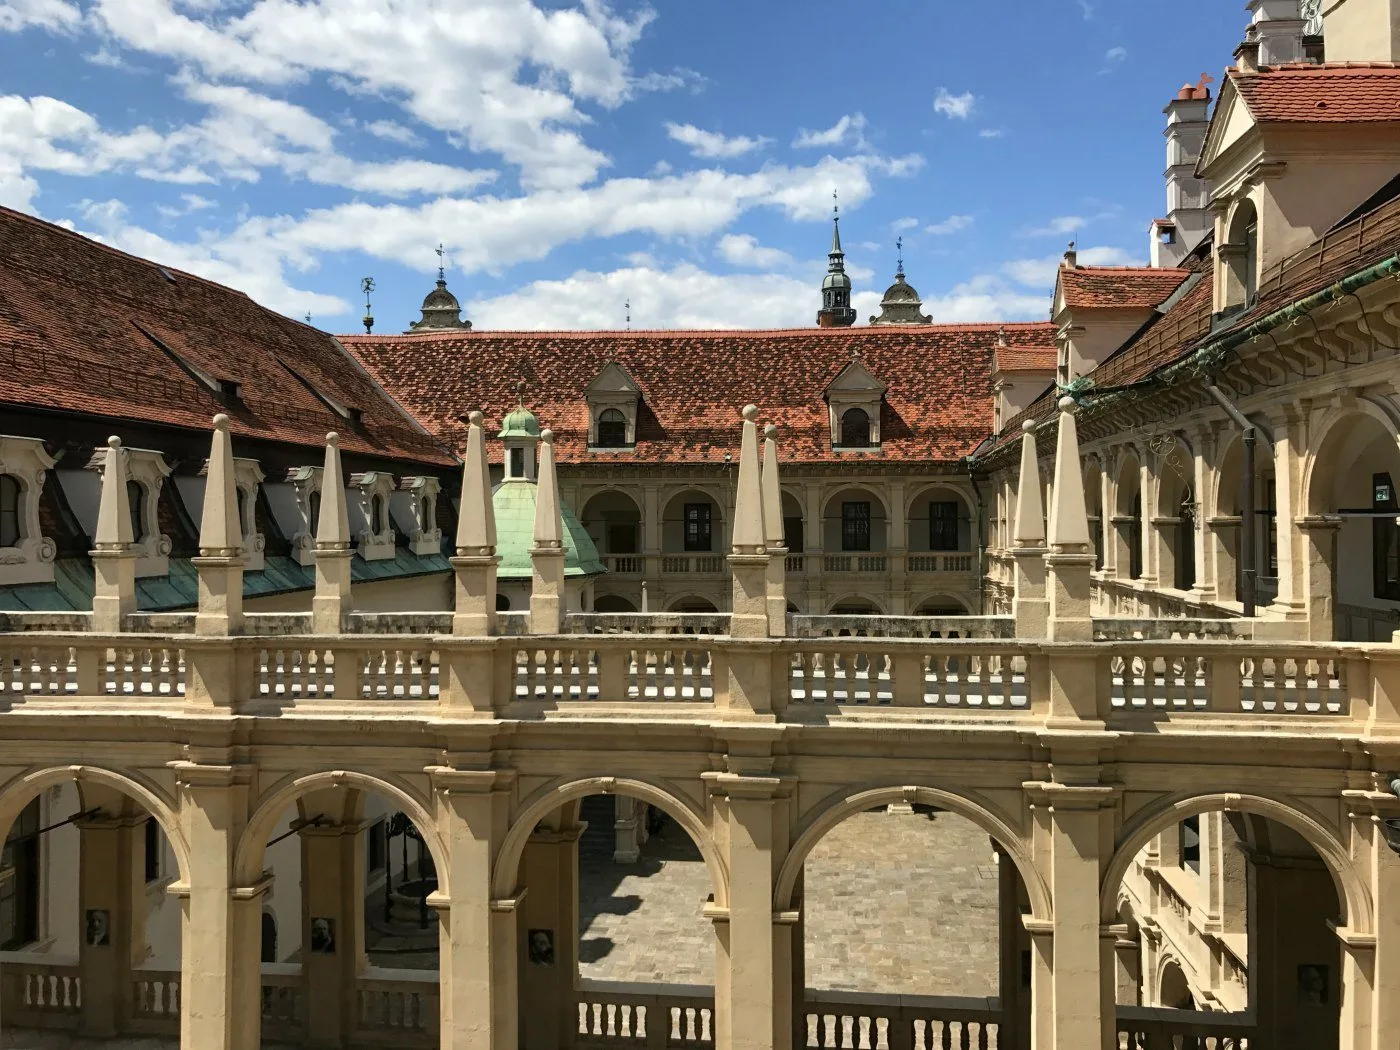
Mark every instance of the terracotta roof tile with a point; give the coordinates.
(1330, 93)
(81, 328)
(938, 406)
(1118, 287)
(1024, 359)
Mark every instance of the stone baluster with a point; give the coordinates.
(547, 555)
(332, 598)
(113, 555)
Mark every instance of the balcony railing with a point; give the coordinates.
(1152, 1028)
(941, 563)
(624, 564)
(855, 563)
(707, 564)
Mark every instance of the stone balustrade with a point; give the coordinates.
(1155, 1028)
(649, 1016)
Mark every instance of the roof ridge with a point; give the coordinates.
(712, 333)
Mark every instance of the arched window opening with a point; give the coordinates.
(517, 462)
(136, 506)
(315, 504)
(502, 603)
(1239, 256)
(855, 428)
(269, 937)
(1186, 543)
(11, 508)
(1135, 539)
(612, 429)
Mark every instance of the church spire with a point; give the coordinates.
(836, 311)
(441, 311)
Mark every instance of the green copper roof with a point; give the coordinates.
(520, 423)
(514, 501)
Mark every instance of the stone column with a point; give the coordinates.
(751, 820)
(220, 1000)
(1201, 479)
(1148, 491)
(1294, 555)
(1014, 1034)
(1113, 568)
(332, 599)
(113, 556)
(477, 935)
(549, 915)
(1370, 978)
(1222, 554)
(1319, 574)
(332, 930)
(627, 829)
(109, 880)
(1127, 954)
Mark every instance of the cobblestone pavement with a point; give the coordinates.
(896, 903)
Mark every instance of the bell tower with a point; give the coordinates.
(836, 311)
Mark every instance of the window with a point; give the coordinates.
(10, 510)
(1385, 539)
(1191, 844)
(855, 526)
(1135, 540)
(943, 525)
(855, 428)
(381, 516)
(517, 462)
(315, 512)
(698, 525)
(612, 429)
(136, 505)
(153, 849)
(377, 848)
(1269, 516)
(793, 538)
(622, 537)
(1186, 544)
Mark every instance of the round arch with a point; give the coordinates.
(553, 795)
(979, 812)
(1336, 427)
(940, 599)
(873, 491)
(1352, 893)
(248, 858)
(709, 492)
(865, 598)
(692, 600)
(21, 789)
(607, 491)
(1127, 483)
(950, 487)
(1173, 989)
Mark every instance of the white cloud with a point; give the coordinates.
(1041, 272)
(851, 125)
(1113, 58)
(711, 144)
(40, 14)
(958, 107)
(742, 249)
(991, 133)
(189, 202)
(393, 131)
(906, 223)
(1058, 226)
(952, 224)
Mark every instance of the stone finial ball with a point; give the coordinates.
(750, 412)
(332, 439)
(547, 436)
(1028, 425)
(221, 422)
(770, 431)
(475, 417)
(114, 442)
(1067, 404)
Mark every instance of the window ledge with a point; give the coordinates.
(855, 448)
(612, 448)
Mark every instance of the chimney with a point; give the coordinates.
(1187, 221)
(1278, 28)
(1071, 260)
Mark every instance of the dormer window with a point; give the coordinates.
(136, 507)
(373, 529)
(26, 555)
(613, 400)
(612, 429)
(516, 466)
(1239, 259)
(415, 504)
(11, 512)
(855, 428)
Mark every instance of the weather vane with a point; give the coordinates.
(628, 306)
(308, 316)
(835, 204)
(440, 254)
(899, 244)
(367, 286)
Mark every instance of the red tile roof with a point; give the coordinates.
(1118, 287)
(938, 406)
(80, 331)
(1024, 359)
(1310, 93)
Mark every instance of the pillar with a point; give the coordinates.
(752, 820)
(477, 934)
(1294, 555)
(1011, 934)
(1319, 574)
(1370, 977)
(332, 930)
(627, 829)
(549, 924)
(220, 997)
(110, 888)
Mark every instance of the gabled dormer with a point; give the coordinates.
(853, 402)
(370, 521)
(613, 398)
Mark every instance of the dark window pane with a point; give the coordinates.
(943, 525)
(1135, 540)
(793, 538)
(698, 519)
(517, 462)
(855, 429)
(855, 526)
(9, 510)
(622, 538)
(136, 505)
(153, 844)
(612, 429)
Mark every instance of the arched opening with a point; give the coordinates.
(1352, 530)
(11, 511)
(1176, 517)
(502, 602)
(1225, 525)
(940, 605)
(855, 428)
(855, 605)
(1239, 256)
(855, 522)
(136, 508)
(1128, 518)
(612, 429)
(92, 940)
(693, 523)
(909, 894)
(693, 604)
(615, 884)
(614, 523)
(613, 603)
(1267, 970)
(354, 862)
(940, 521)
(1093, 502)
(794, 528)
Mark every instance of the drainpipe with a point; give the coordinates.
(980, 539)
(1247, 432)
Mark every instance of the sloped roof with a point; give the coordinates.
(1025, 359)
(938, 406)
(1118, 287)
(1311, 93)
(81, 328)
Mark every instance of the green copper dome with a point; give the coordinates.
(514, 501)
(521, 423)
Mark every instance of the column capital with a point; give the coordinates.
(206, 774)
(1072, 796)
(449, 781)
(1319, 522)
(748, 786)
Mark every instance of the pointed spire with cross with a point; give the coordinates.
(899, 246)
(441, 253)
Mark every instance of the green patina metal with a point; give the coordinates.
(514, 502)
(520, 423)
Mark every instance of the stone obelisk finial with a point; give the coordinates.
(1032, 608)
(113, 559)
(1070, 560)
(332, 599)
(547, 555)
(220, 561)
(475, 564)
(748, 559)
(776, 580)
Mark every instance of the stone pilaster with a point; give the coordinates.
(549, 871)
(108, 882)
(332, 930)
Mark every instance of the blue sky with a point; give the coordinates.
(576, 154)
